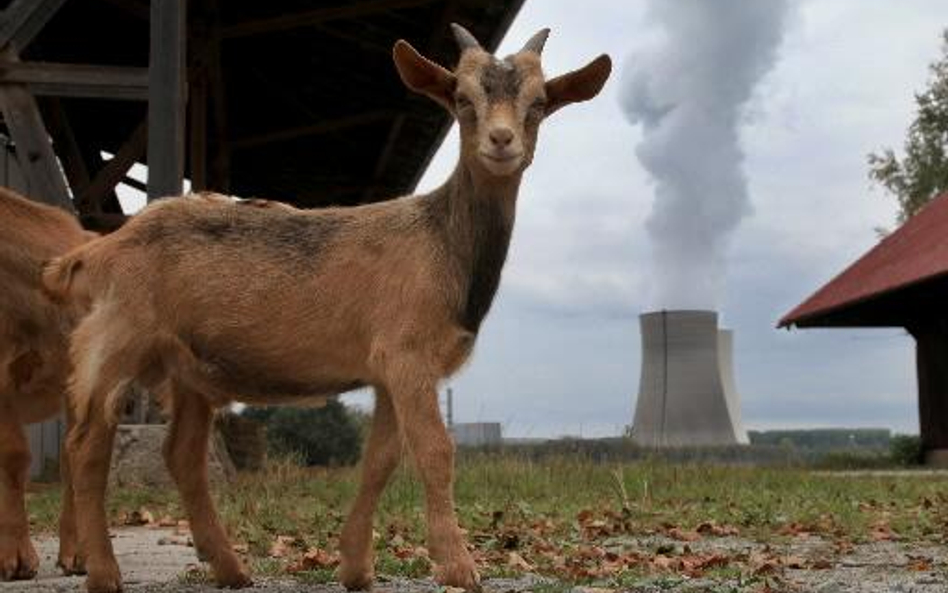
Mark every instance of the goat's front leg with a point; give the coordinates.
(379, 460)
(185, 453)
(416, 406)
(18, 559)
(70, 560)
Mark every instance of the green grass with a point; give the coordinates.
(554, 509)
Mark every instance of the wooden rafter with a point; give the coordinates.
(317, 16)
(115, 170)
(70, 154)
(136, 8)
(23, 20)
(323, 127)
(77, 80)
(448, 14)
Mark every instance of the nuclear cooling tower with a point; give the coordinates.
(687, 395)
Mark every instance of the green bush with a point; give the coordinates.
(906, 449)
(326, 436)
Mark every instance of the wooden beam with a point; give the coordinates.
(134, 183)
(386, 154)
(219, 148)
(70, 154)
(324, 127)
(435, 40)
(23, 20)
(317, 16)
(197, 128)
(136, 8)
(34, 151)
(114, 170)
(167, 82)
(77, 80)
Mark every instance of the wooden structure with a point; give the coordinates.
(901, 282)
(292, 100)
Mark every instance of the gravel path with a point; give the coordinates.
(153, 560)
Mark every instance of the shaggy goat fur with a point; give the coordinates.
(34, 365)
(205, 301)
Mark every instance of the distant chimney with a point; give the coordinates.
(687, 395)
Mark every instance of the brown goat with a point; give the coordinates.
(34, 366)
(205, 301)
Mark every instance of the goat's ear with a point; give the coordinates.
(424, 76)
(578, 85)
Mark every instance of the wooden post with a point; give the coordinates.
(167, 80)
(931, 351)
(34, 151)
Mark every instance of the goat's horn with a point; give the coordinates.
(536, 43)
(464, 38)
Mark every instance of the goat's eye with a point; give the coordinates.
(462, 102)
(538, 105)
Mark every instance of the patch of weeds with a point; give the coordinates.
(322, 576)
(500, 572)
(628, 578)
(667, 583)
(196, 575)
(412, 568)
(269, 567)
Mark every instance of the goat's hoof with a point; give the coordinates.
(460, 573)
(231, 574)
(18, 559)
(104, 579)
(355, 577)
(70, 562)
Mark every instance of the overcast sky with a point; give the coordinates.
(559, 353)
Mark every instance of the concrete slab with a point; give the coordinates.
(145, 555)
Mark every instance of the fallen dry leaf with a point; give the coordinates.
(515, 560)
(314, 559)
(281, 546)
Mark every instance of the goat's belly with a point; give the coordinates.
(223, 379)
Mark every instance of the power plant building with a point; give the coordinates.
(687, 391)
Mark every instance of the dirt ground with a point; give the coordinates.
(155, 560)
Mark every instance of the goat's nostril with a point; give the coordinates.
(501, 137)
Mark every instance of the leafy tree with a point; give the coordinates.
(330, 435)
(922, 174)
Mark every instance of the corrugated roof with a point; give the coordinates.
(917, 252)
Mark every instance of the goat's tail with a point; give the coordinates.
(65, 278)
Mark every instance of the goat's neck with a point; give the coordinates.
(477, 217)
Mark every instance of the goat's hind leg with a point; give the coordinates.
(185, 453)
(70, 560)
(18, 559)
(104, 363)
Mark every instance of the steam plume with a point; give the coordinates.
(687, 91)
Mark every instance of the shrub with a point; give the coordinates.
(329, 435)
(906, 449)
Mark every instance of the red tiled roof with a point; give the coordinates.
(916, 252)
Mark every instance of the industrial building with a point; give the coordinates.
(687, 392)
(477, 434)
